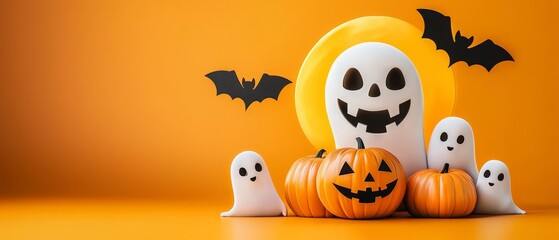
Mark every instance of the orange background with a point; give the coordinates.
(108, 99)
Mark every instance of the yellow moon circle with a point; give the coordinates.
(437, 79)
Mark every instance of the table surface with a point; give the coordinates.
(132, 219)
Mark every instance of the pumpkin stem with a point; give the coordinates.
(319, 154)
(445, 168)
(360, 144)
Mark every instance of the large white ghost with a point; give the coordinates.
(253, 189)
(493, 190)
(452, 142)
(373, 91)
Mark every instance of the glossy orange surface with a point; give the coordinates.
(65, 219)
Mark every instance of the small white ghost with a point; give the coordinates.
(493, 190)
(253, 189)
(452, 142)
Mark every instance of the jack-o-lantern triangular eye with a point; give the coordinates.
(384, 167)
(346, 169)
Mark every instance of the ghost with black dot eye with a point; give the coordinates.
(253, 189)
(494, 190)
(373, 91)
(452, 142)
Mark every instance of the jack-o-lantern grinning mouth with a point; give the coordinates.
(367, 196)
(376, 121)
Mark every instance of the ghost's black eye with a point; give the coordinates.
(346, 169)
(501, 177)
(384, 167)
(460, 139)
(258, 167)
(444, 136)
(395, 79)
(243, 171)
(353, 80)
(487, 173)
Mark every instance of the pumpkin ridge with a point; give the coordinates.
(316, 208)
(461, 192)
(349, 206)
(469, 207)
(471, 199)
(420, 204)
(305, 190)
(341, 155)
(322, 184)
(319, 208)
(421, 199)
(446, 207)
(302, 197)
(399, 170)
(442, 191)
(338, 209)
(411, 205)
(379, 156)
(291, 191)
(433, 195)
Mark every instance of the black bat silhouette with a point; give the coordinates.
(437, 28)
(227, 82)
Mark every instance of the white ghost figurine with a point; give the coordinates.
(452, 142)
(493, 190)
(373, 91)
(253, 189)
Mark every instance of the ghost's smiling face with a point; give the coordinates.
(454, 136)
(249, 170)
(372, 88)
(375, 120)
(450, 145)
(244, 173)
(491, 183)
(494, 175)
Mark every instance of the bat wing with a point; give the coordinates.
(269, 86)
(487, 54)
(227, 82)
(437, 28)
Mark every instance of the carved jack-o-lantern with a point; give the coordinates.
(361, 183)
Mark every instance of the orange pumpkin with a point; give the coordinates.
(361, 183)
(449, 193)
(300, 187)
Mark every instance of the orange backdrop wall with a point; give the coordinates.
(109, 98)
